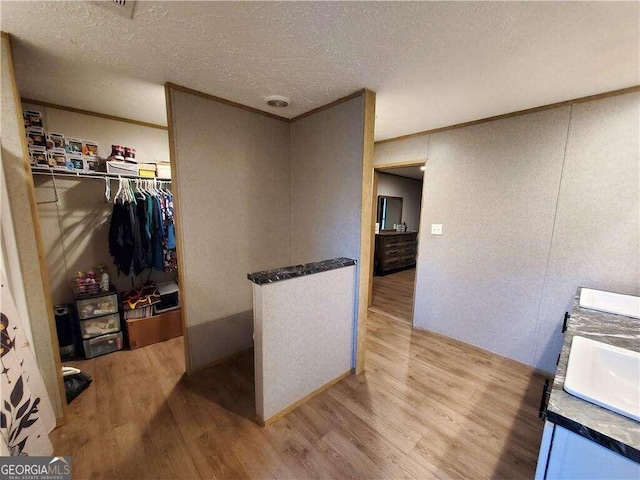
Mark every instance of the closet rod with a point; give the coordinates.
(101, 175)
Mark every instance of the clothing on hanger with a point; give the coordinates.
(142, 233)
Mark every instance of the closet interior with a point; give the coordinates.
(148, 233)
(105, 207)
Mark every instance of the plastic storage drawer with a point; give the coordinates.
(93, 327)
(97, 306)
(102, 345)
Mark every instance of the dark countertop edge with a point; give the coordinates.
(392, 233)
(558, 392)
(595, 436)
(296, 271)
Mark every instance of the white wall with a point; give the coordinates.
(521, 232)
(493, 186)
(411, 192)
(596, 240)
(326, 183)
(75, 231)
(297, 323)
(234, 184)
(410, 150)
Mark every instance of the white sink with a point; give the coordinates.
(605, 375)
(610, 302)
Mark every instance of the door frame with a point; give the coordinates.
(374, 203)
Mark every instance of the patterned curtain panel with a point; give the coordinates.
(26, 414)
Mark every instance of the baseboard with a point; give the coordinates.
(303, 400)
(219, 361)
(470, 346)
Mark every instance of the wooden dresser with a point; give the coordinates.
(394, 251)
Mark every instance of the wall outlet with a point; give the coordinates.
(436, 229)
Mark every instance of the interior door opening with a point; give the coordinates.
(397, 198)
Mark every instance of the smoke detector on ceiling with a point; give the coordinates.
(124, 8)
(277, 101)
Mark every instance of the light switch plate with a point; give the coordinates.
(436, 229)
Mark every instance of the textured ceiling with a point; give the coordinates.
(431, 63)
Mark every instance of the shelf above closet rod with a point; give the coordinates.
(102, 175)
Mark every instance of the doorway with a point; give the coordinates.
(397, 201)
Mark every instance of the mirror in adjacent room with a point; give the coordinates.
(389, 212)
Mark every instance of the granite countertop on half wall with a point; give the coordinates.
(390, 233)
(609, 429)
(295, 271)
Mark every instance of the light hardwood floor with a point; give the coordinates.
(426, 407)
(393, 295)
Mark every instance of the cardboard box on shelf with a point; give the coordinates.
(150, 330)
(164, 170)
(147, 170)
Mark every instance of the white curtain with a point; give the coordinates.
(26, 413)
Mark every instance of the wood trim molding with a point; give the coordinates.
(224, 101)
(329, 105)
(44, 272)
(566, 103)
(305, 399)
(482, 351)
(374, 217)
(175, 186)
(417, 163)
(93, 114)
(367, 232)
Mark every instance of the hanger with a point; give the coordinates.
(119, 188)
(156, 187)
(140, 189)
(131, 192)
(107, 189)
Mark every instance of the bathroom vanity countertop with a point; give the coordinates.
(294, 271)
(609, 429)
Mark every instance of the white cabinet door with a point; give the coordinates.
(545, 449)
(575, 457)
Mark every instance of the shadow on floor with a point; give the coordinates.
(229, 385)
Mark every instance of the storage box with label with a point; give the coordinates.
(147, 170)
